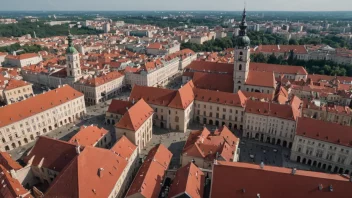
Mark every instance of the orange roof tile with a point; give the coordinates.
(152, 95)
(231, 99)
(97, 81)
(258, 95)
(324, 131)
(213, 81)
(23, 56)
(10, 187)
(13, 84)
(151, 173)
(135, 116)
(8, 162)
(278, 69)
(88, 136)
(119, 106)
(184, 96)
(274, 182)
(262, 79)
(92, 173)
(188, 180)
(50, 150)
(204, 66)
(124, 147)
(34, 105)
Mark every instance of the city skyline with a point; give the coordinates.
(181, 5)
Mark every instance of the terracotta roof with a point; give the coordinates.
(124, 147)
(184, 96)
(23, 56)
(324, 131)
(297, 49)
(151, 173)
(318, 78)
(8, 162)
(275, 182)
(205, 66)
(213, 81)
(154, 46)
(285, 111)
(260, 78)
(204, 144)
(232, 99)
(258, 95)
(119, 106)
(135, 116)
(188, 180)
(92, 173)
(278, 69)
(13, 84)
(34, 105)
(152, 95)
(97, 81)
(88, 136)
(53, 154)
(10, 187)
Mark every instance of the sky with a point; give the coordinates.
(154, 5)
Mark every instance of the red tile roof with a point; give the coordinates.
(13, 84)
(260, 78)
(54, 154)
(92, 173)
(184, 96)
(204, 144)
(297, 49)
(135, 116)
(124, 147)
(152, 95)
(213, 81)
(289, 112)
(257, 95)
(274, 182)
(23, 56)
(232, 99)
(88, 136)
(10, 187)
(97, 81)
(119, 106)
(204, 66)
(151, 173)
(318, 78)
(34, 105)
(154, 46)
(8, 162)
(278, 69)
(188, 180)
(324, 131)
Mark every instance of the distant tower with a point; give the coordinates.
(73, 68)
(242, 56)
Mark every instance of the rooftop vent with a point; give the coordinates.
(320, 187)
(262, 165)
(330, 188)
(294, 171)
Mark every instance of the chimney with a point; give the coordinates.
(78, 149)
(262, 165)
(133, 101)
(100, 172)
(330, 188)
(294, 171)
(258, 195)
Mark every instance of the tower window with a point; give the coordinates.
(240, 67)
(69, 65)
(241, 53)
(70, 73)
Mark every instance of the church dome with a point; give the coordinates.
(243, 41)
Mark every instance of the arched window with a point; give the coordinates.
(70, 73)
(69, 65)
(176, 119)
(240, 67)
(241, 53)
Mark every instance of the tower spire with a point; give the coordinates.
(243, 25)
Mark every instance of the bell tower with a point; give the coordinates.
(73, 67)
(242, 56)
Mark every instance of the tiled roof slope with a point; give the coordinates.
(260, 78)
(188, 180)
(213, 81)
(152, 95)
(232, 99)
(119, 106)
(88, 136)
(53, 154)
(39, 103)
(10, 187)
(184, 97)
(8, 162)
(275, 182)
(135, 116)
(324, 131)
(205, 66)
(151, 173)
(92, 173)
(124, 147)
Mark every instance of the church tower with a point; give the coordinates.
(73, 68)
(242, 56)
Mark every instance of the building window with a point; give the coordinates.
(240, 67)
